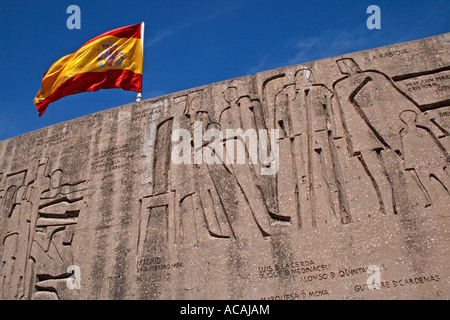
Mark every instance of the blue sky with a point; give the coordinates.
(190, 43)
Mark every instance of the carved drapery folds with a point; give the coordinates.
(362, 118)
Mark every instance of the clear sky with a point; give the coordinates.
(190, 43)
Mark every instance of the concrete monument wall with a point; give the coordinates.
(338, 188)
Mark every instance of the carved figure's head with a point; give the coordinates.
(181, 105)
(348, 66)
(230, 95)
(409, 117)
(195, 100)
(303, 78)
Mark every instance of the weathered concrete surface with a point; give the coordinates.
(361, 190)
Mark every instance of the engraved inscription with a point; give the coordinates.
(406, 283)
(149, 114)
(438, 82)
(53, 140)
(156, 264)
(387, 54)
(111, 159)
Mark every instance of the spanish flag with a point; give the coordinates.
(113, 60)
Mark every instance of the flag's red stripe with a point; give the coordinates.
(93, 81)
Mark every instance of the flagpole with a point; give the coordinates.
(139, 95)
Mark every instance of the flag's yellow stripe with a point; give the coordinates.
(86, 60)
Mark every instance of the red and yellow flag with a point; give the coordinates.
(113, 60)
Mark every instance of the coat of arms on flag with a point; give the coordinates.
(110, 55)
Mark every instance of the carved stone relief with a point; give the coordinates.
(286, 178)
